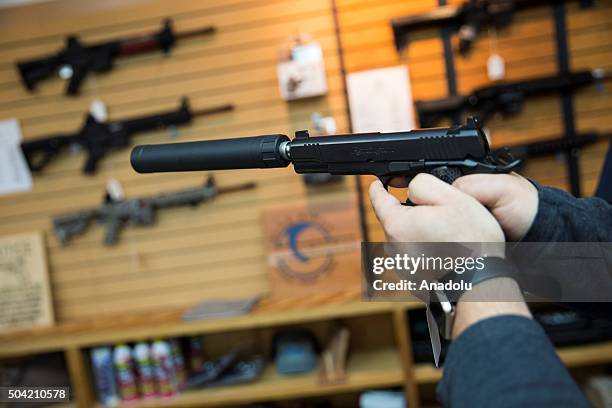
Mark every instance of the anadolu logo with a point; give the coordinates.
(309, 255)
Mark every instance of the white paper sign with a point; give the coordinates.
(14, 172)
(304, 75)
(381, 100)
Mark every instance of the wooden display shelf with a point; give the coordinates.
(168, 324)
(574, 356)
(366, 369)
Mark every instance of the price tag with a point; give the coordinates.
(98, 110)
(496, 67)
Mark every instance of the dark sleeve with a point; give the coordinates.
(604, 188)
(562, 217)
(506, 361)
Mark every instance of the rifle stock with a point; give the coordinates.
(33, 71)
(38, 153)
(68, 226)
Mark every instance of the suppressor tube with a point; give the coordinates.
(226, 154)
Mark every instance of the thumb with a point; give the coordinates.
(489, 189)
(426, 189)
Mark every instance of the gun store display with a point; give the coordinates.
(306, 204)
(76, 60)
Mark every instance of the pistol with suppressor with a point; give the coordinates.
(447, 153)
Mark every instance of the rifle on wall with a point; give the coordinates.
(76, 59)
(138, 211)
(467, 19)
(98, 138)
(505, 97)
(551, 146)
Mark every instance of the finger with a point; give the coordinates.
(385, 205)
(489, 189)
(426, 189)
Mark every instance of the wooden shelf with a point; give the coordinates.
(135, 328)
(574, 356)
(367, 369)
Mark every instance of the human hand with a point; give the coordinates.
(512, 200)
(441, 213)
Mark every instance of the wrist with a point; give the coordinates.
(494, 297)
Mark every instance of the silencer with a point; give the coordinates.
(222, 154)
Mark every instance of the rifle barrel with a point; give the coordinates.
(239, 187)
(195, 33)
(215, 109)
(432, 18)
(548, 146)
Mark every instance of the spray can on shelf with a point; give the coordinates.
(104, 376)
(196, 354)
(145, 370)
(179, 362)
(165, 375)
(124, 367)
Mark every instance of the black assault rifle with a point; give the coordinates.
(504, 97)
(468, 19)
(547, 147)
(97, 138)
(76, 60)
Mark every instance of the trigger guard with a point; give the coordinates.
(385, 180)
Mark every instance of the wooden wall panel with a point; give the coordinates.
(215, 250)
(528, 47)
(191, 254)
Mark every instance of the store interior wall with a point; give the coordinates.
(216, 250)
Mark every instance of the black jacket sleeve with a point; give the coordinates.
(562, 217)
(506, 361)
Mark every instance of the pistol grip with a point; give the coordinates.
(444, 173)
(447, 174)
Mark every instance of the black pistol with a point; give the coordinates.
(447, 153)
